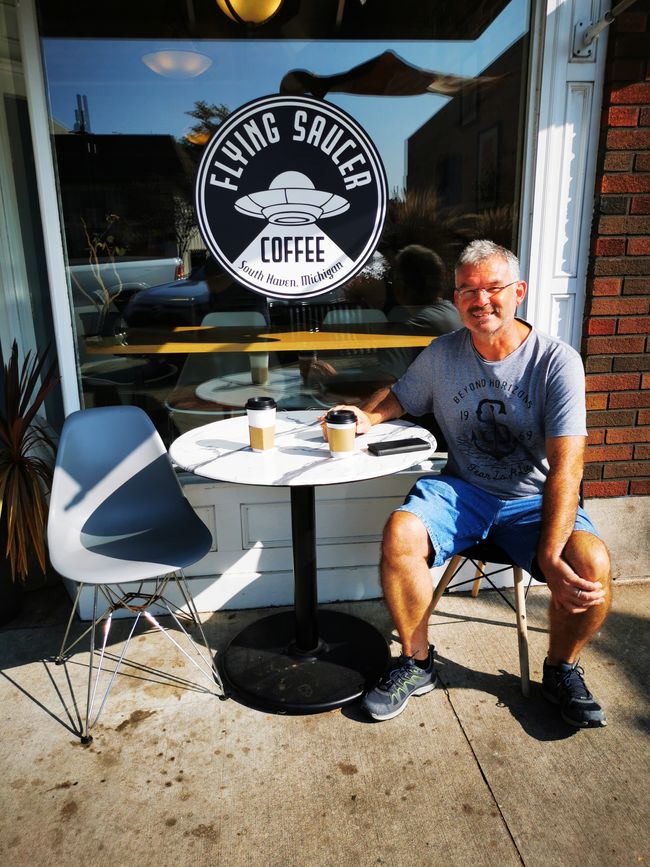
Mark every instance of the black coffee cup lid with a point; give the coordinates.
(261, 402)
(340, 416)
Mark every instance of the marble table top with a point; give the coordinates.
(220, 451)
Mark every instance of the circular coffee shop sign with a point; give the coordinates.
(291, 196)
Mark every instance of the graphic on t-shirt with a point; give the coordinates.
(491, 436)
(497, 440)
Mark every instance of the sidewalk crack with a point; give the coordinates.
(445, 688)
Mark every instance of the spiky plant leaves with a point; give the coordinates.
(25, 468)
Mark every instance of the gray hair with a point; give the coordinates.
(478, 251)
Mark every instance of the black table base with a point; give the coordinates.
(306, 660)
(263, 667)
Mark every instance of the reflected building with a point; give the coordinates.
(469, 152)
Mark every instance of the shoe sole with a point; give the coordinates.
(589, 724)
(422, 690)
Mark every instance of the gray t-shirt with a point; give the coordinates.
(496, 415)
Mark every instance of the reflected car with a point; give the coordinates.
(185, 302)
(209, 288)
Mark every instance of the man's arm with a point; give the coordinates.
(559, 506)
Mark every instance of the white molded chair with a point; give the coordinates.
(118, 522)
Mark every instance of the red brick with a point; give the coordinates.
(628, 435)
(633, 325)
(619, 161)
(608, 453)
(601, 326)
(640, 486)
(628, 139)
(636, 286)
(592, 471)
(611, 418)
(642, 453)
(642, 161)
(628, 266)
(609, 246)
(629, 398)
(613, 382)
(645, 380)
(599, 363)
(644, 119)
(619, 306)
(628, 116)
(644, 416)
(615, 345)
(596, 437)
(605, 489)
(630, 94)
(615, 225)
(625, 469)
(628, 363)
(626, 182)
(638, 246)
(640, 205)
(607, 285)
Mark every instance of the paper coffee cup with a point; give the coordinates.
(259, 362)
(341, 426)
(261, 423)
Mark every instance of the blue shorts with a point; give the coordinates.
(457, 515)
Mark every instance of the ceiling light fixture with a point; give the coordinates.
(249, 11)
(177, 64)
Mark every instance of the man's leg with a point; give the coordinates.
(563, 682)
(406, 580)
(588, 557)
(407, 586)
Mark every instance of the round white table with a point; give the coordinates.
(234, 389)
(306, 660)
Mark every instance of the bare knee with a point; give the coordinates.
(589, 557)
(404, 536)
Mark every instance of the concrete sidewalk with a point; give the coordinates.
(469, 774)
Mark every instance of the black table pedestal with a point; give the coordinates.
(306, 660)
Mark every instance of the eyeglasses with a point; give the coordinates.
(464, 294)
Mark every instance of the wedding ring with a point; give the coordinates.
(579, 594)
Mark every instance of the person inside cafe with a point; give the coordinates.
(511, 403)
(420, 286)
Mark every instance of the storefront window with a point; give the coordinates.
(132, 106)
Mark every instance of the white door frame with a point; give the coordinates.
(559, 203)
(53, 236)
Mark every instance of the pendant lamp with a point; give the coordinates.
(249, 11)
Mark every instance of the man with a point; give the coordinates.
(510, 402)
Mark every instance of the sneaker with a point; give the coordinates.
(564, 684)
(403, 679)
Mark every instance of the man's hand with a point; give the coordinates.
(568, 590)
(363, 421)
(380, 406)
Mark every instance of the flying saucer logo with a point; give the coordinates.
(291, 196)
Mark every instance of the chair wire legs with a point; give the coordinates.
(138, 603)
(519, 607)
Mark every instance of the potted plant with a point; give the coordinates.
(26, 451)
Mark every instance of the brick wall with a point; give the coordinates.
(616, 332)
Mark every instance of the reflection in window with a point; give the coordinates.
(441, 97)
